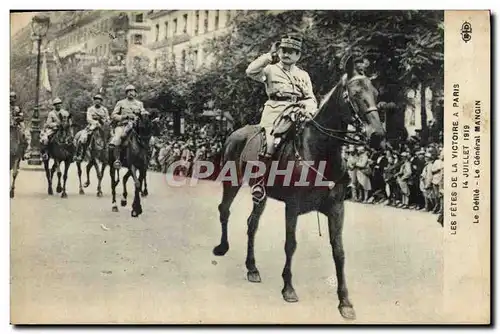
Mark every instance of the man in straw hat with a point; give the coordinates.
(285, 84)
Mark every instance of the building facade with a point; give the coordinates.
(178, 36)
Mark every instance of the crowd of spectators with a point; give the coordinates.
(410, 177)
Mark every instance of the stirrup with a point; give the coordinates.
(258, 193)
(45, 157)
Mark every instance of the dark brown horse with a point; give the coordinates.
(60, 149)
(352, 100)
(135, 156)
(17, 148)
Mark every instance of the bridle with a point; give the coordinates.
(346, 136)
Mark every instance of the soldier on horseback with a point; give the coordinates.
(124, 114)
(286, 84)
(52, 125)
(97, 115)
(17, 116)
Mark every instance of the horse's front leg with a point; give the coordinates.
(67, 164)
(99, 178)
(291, 215)
(88, 168)
(15, 171)
(145, 192)
(48, 175)
(253, 274)
(114, 181)
(335, 224)
(136, 204)
(79, 171)
(59, 175)
(124, 184)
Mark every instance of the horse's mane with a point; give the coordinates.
(333, 94)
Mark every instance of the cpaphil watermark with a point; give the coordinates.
(294, 174)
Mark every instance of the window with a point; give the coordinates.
(157, 32)
(138, 39)
(205, 23)
(197, 22)
(139, 18)
(216, 19)
(166, 30)
(173, 58)
(228, 16)
(156, 64)
(184, 23)
(175, 27)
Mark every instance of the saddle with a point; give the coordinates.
(288, 124)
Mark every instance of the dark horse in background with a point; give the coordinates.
(17, 149)
(134, 156)
(60, 149)
(352, 100)
(97, 152)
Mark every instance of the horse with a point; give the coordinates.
(135, 156)
(97, 151)
(17, 148)
(60, 149)
(351, 101)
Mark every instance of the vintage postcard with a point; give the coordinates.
(250, 167)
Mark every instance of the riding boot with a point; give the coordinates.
(259, 188)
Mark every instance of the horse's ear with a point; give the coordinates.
(349, 66)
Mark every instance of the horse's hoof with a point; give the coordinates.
(145, 193)
(114, 209)
(254, 276)
(134, 213)
(99, 193)
(221, 250)
(86, 184)
(12, 194)
(59, 189)
(347, 312)
(81, 192)
(50, 192)
(64, 195)
(289, 295)
(123, 202)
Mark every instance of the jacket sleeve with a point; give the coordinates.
(309, 99)
(106, 115)
(257, 69)
(90, 117)
(50, 120)
(116, 114)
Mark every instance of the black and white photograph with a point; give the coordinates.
(239, 166)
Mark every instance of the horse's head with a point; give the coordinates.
(147, 125)
(360, 94)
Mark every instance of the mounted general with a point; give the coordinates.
(316, 140)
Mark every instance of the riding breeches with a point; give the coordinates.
(120, 133)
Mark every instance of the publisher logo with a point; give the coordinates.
(466, 31)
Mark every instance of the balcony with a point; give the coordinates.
(178, 39)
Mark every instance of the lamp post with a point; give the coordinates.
(39, 26)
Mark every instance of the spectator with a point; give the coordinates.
(363, 173)
(404, 180)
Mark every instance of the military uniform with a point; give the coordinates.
(285, 84)
(54, 120)
(283, 87)
(125, 111)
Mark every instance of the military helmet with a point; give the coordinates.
(129, 87)
(98, 97)
(56, 101)
(13, 94)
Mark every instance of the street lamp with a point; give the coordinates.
(40, 26)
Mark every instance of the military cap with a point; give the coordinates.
(13, 94)
(98, 97)
(56, 101)
(292, 41)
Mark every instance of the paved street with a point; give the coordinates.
(73, 260)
